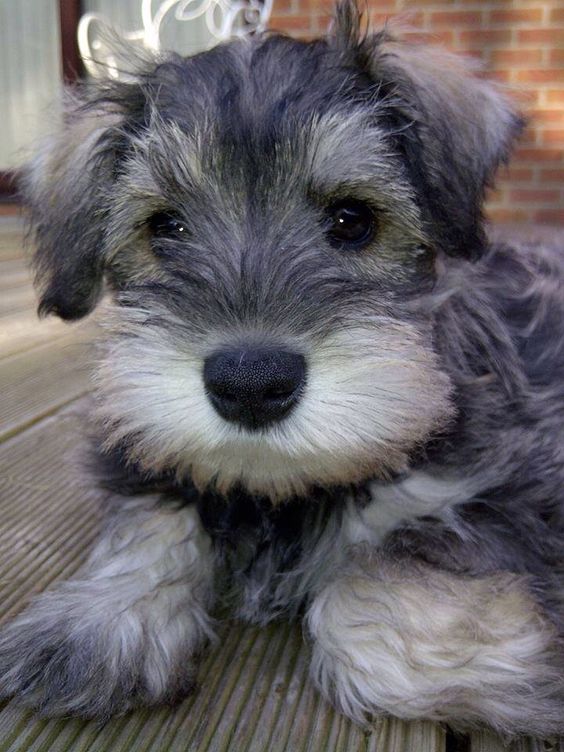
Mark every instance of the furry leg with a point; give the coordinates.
(419, 643)
(123, 632)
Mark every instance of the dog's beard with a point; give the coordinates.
(373, 393)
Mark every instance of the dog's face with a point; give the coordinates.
(269, 216)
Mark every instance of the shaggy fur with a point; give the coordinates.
(114, 637)
(410, 504)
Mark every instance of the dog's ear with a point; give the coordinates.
(66, 187)
(453, 126)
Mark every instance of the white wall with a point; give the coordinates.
(186, 37)
(30, 74)
(30, 66)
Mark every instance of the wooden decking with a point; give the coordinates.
(253, 693)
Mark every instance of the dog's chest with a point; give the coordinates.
(266, 553)
(242, 527)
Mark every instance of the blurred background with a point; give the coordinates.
(46, 42)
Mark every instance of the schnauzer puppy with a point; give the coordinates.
(323, 391)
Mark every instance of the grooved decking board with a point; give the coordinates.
(17, 298)
(486, 741)
(23, 330)
(38, 381)
(11, 238)
(253, 693)
(20, 327)
(13, 273)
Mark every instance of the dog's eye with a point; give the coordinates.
(351, 224)
(163, 225)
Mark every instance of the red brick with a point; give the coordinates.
(410, 17)
(316, 6)
(506, 215)
(496, 195)
(514, 15)
(456, 18)
(556, 57)
(542, 116)
(285, 6)
(500, 75)
(515, 175)
(553, 137)
(534, 196)
(379, 19)
(539, 154)
(486, 36)
(516, 58)
(483, 2)
(550, 216)
(290, 23)
(388, 6)
(528, 136)
(480, 55)
(541, 36)
(552, 176)
(540, 76)
(557, 15)
(418, 3)
(555, 96)
(445, 38)
(526, 98)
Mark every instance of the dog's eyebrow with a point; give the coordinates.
(349, 146)
(351, 154)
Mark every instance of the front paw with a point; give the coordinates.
(79, 650)
(433, 646)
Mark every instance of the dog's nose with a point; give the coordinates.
(254, 387)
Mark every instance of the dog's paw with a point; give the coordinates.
(465, 651)
(79, 651)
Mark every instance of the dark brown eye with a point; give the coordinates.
(164, 225)
(351, 224)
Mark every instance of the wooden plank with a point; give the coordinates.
(488, 741)
(14, 272)
(418, 735)
(20, 327)
(12, 233)
(23, 330)
(18, 298)
(37, 382)
(536, 745)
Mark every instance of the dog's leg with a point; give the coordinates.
(419, 643)
(124, 632)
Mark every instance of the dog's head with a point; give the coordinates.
(268, 215)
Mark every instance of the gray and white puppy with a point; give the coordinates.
(324, 391)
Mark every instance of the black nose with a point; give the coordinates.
(254, 387)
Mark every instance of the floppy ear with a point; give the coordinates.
(65, 188)
(452, 126)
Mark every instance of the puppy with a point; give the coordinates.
(323, 392)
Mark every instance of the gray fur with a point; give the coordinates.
(429, 435)
(126, 631)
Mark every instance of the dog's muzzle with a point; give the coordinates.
(254, 387)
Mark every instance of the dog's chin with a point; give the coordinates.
(279, 476)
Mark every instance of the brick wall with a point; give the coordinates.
(522, 44)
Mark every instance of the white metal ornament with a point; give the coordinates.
(224, 19)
